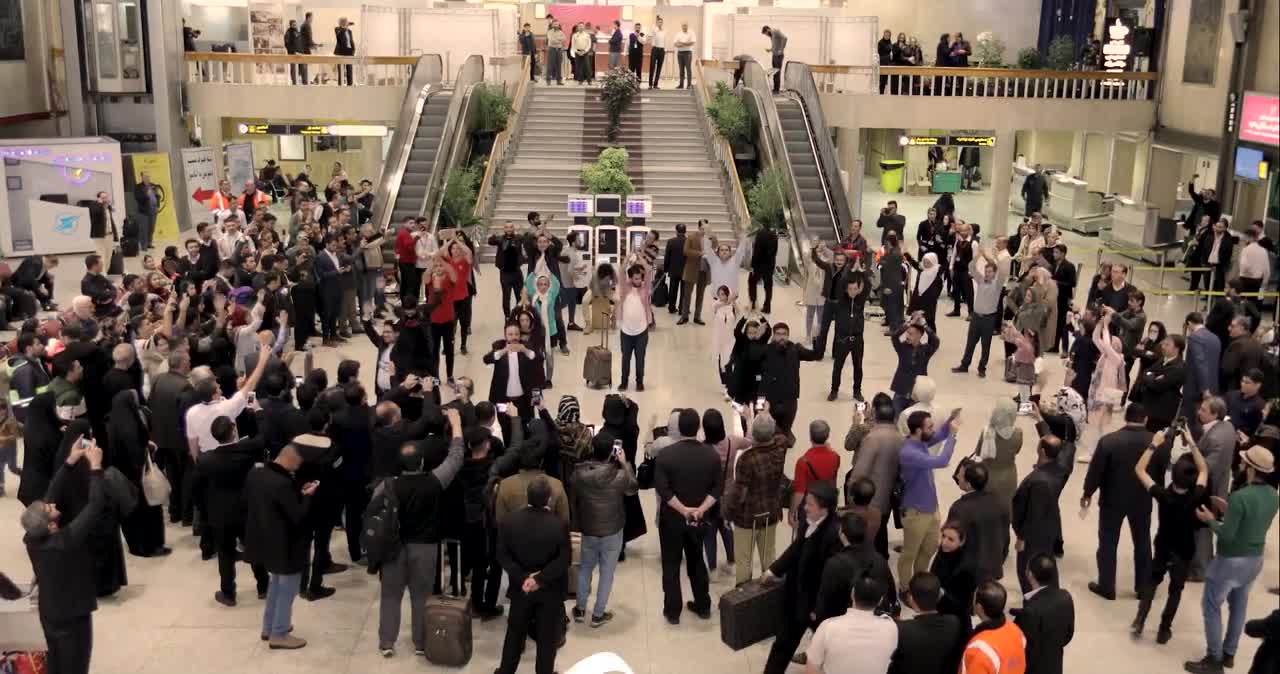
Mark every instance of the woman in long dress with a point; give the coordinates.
(40, 435)
(928, 287)
(129, 428)
(1106, 389)
(71, 495)
(621, 421)
(998, 447)
(723, 321)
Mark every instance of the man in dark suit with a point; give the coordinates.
(688, 478)
(166, 403)
(1123, 498)
(931, 642)
(64, 567)
(985, 520)
(534, 550)
(673, 263)
(329, 267)
(102, 215)
(1204, 355)
(306, 43)
(1159, 387)
(517, 371)
(223, 472)
(279, 421)
(635, 51)
(344, 45)
(1037, 519)
(764, 256)
(1047, 618)
(97, 286)
(843, 569)
(35, 275)
(352, 430)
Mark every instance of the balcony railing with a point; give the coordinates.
(229, 68)
(985, 82)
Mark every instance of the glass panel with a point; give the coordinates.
(105, 40)
(130, 44)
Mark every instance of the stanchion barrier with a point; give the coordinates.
(1162, 269)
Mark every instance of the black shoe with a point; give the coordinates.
(639, 387)
(1097, 589)
(262, 593)
(463, 350)
(487, 614)
(1206, 665)
(960, 369)
(579, 614)
(698, 321)
(1228, 661)
(831, 396)
(982, 374)
(1135, 628)
(857, 395)
(224, 599)
(766, 309)
(575, 327)
(622, 386)
(672, 619)
(318, 593)
(682, 321)
(704, 614)
(600, 620)
(1163, 635)
(206, 555)
(335, 567)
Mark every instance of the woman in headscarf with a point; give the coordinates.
(928, 287)
(1149, 354)
(751, 345)
(129, 428)
(722, 340)
(575, 438)
(542, 289)
(620, 421)
(40, 435)
(955, 573)
(71, 495)
(1046, 291)
(923, 392)
(998, 448)
(727, 445)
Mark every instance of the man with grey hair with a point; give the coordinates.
(1217, 443)
(820, 463)
(753, 506)
(875, 448)
(168, 400)
(63, 565)
(125, 373)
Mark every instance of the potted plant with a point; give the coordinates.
(457, 207)
(1029, 58)
(618, 87)
(1062, 53)
(493, 107)
(608, 173)
(988, 50)
(765, 200)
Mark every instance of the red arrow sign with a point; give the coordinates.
(203, 195)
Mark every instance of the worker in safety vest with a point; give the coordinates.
(997, 645)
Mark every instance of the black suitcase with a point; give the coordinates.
(129, 247)
(751, 613)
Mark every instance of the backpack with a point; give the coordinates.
(575, 443)
(380, 527)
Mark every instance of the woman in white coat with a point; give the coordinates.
(722, 338)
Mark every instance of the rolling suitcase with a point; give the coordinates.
(597, 368)
(448, 631)
(751, 613)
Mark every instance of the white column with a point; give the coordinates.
(1001, 174)
(848, 149)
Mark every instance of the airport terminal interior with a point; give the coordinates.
(1120, 122)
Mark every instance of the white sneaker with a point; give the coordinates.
(1084, 458)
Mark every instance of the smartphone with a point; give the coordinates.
(860, 406)
(617, 447)
(435, 381)
(954, 413)
(502, 408)
(252, 397)
(760, 404)
(297, 381)
(537, 397)
(84, 442)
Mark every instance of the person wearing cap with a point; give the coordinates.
(1241, 543)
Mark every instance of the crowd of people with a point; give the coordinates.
(186, 371)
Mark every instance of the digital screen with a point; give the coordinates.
(1251, 164)
(607, 240)
(580, 206)
(639, 207)
(608, 204)
(636, 242)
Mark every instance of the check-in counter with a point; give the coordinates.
(1073, 206)
(1137, 225)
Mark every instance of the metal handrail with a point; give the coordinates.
(799, 80)
(425, 81)
(723, 150)
(759, 86)
(498, 155)
(470, 74)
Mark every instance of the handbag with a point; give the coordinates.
(155, 486)
(644, 473)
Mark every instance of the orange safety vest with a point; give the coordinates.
(1002, 650)
(219, 202)
(260, 199)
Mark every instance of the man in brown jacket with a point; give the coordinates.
(752, 496)
(694, 280)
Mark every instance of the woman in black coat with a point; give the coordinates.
(72, 496)
(955, 573)
(129, 429)
(801, 565)
(620, 420)
(751, 345)
(40, 435)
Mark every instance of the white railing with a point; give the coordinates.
(285, 69)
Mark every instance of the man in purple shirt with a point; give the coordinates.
(919, 494)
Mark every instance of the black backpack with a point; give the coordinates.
(380, 530)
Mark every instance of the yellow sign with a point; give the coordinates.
(924, 140)
(974, 141)
(156, 166)
(312, 130)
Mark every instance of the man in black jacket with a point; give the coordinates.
(848, 342)
(167, 402)
(279, 420)
(635, 51)
(1047, 618)
(534, 549)
(306, 43)
(352, 430)
(98, 287)
(344, 45)
(764, 257)
(915, 344)
(689, 480)
(529, 48)
(275, 537)
(1159, 387)
(834, 272)
(64, 566)
(223, 472)
(1064, 274)
(985, 520)
(1037, 519)
(931, 642)
(963, 245)
(891, 220)
(508, 257)
(517, 371)
(780, 374)
(292, 45)
(843, 569)
(673, 266)
(1123, 498)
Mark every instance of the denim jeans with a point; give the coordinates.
(368, 289)
(1229, 579)
(277, 615)
(602, 550)
(724, 532)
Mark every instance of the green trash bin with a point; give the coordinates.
(891, 171)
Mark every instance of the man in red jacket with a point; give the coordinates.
(407, 259)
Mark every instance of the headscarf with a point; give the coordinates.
(542, 301)
(1069, 402)
(1004, 419)
(923, 391)
(570, 412)
(127, 434)
(928, 273)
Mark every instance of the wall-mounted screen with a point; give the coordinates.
(1251, 164)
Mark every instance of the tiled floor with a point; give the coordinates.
(166, 621)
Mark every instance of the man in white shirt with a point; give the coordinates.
(634, 316)
(1255, 264)
(858, 642)
(581, 48)
(684, 55)
(232, 238)
(212, 405)
(425, 247)
(657, 53)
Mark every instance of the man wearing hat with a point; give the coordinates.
(1242, 539)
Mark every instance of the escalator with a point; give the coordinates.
(423, 152)
(406, 175)
(813, 198)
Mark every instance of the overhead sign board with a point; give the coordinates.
(956, 141)
(1260, 118)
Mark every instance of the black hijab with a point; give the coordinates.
(128, 434)
(40, 436)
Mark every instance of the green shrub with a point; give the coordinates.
(493, 107)
(1062, 53)
(457, 208)
(765, 200)
(1029, 59)
(608, 173)
(618, 87)
(731, 116)
(988, 50)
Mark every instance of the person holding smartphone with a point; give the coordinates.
(597, 488)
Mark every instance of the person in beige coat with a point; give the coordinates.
(694, 282)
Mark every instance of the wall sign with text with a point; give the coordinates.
(1260, 118)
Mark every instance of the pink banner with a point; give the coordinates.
(1260, 119)
(596, 15)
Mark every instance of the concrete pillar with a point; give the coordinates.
(1077, 154)
(848, 150)
(1001, 174)
(77, 115)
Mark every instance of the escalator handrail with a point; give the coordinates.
(469, 74)
(425, 81)
(775, 144)
(817, 159)
(798, 79)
